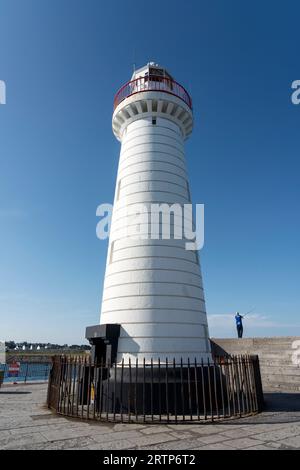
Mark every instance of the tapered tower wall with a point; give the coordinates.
(153, 288)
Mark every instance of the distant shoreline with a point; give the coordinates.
(41, 356)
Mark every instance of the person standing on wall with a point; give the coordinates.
(239, 324)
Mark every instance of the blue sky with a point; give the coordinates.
(62, 62)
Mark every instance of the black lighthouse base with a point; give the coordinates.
(227, 386)
(145, 388)
(164, 390)
(155, 392)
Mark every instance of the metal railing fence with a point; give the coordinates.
(156, 392)
(152, 83)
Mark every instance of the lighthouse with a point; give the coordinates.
(151, 358)
(153, 305)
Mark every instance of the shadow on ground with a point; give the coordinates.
(282, 401)
(14, 393)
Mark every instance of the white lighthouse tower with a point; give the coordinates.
(153, 287)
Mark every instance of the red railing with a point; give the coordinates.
(152, 83)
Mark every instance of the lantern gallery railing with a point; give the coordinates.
(152, 83)
(156, 392)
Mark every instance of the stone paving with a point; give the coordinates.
(26, 423)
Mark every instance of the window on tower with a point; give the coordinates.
(161, 76)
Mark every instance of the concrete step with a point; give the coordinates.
(275, 357)
(283, 371)
(281, 378)
(281, 388)
(277, 364)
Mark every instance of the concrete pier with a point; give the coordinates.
(279, 359)
(25, 423)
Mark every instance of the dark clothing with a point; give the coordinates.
(239, 325)
(239, 330)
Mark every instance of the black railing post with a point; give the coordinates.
(122, 391)
(151, 390)
(209, 390)
(129, 391)
(182, 389)
(101, 386)
(175, 390)
(159, 390)
(107, 371)
(144, 385)
(189, 389)
(167, 391)
(135, 389)
(196, 389)
(115, 385)
(203, 390)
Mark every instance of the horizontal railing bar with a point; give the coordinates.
(152, 83)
